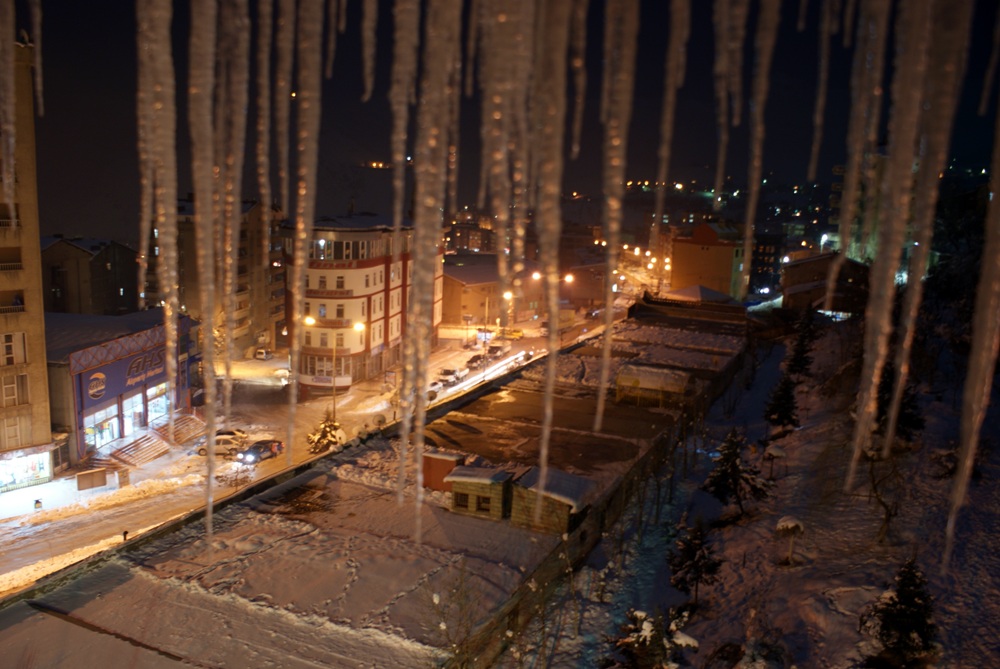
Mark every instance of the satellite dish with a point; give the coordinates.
(379, 420)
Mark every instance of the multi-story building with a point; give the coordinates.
(355, 300)
(710, 255)
(26, 446)
(259, 310)
(88, 276)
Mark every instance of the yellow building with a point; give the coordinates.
(26, 449)
(711, 256)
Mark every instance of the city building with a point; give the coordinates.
(88, 276)
(356, 300)
(710, 255)
(108, 375)
(26, 447)
(259, 299)
(803, 285)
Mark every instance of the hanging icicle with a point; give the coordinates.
(406, 15)
(624, 14)
(579, 41)
(825, 27)
(265, 18)
(739, 11)
(949, 44)
(991, 69)
(35, 7)
(912, 35)
(720, 71)
(332, 12)
(866, 105)
(144, 146)
(201, 84)
(285, 43)
(767, 34)
(849, 10)
(369, 24)
(803, 10)
(680, 29)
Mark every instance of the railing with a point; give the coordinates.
(13, 309)
(10, 222)
(8, 266)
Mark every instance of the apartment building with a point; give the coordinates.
(259, 308)
(355, 301)
(27, 454)
(82, 275)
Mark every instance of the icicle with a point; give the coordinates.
(369, 23)
(404, 71)
(720, 70)
(803, 10)
(265, 18)
(441, 44)
(579, 70)
(309, 43)
(983, 356)
(201, 83)
(144, 141)
(8, 108)
(621, 65)
(35, 7)
(866, 86)
(991, 69)
(849, 9)
(949, 44)
(454, 135)
(519, 147)
(767, 34)
(342, 17)
(680, 29)
(475, 12)
(549, 114)
(332, 11)
(738, 13)
(821, 76)
(835, 7)
(912, 33)
(283, 91)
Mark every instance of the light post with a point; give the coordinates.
(509, 297)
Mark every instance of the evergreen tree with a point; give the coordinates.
(782, 409)
(902, 620)
(732, 478)
(910, 420)
(328, 434)
(649, 642)
(693, 562)
(800, 361)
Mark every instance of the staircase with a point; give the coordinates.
(186, 428)
(142, 450)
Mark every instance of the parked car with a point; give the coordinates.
(235, 432)
(225, 444)
(260, 450)
(498, 350)
(511, 333)
(263, 353)
(449, 376)
(476, 361)
(434, 388)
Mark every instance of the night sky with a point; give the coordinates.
(86, 142)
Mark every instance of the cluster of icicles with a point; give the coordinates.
(521, 54)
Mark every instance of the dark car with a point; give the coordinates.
(476, 361)
(260, 450)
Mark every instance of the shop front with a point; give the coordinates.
(28, 467)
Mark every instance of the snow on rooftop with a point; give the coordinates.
(485, 475)
(563, 486)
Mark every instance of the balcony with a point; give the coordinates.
(11, 266)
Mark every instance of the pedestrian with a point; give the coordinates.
(125, 536)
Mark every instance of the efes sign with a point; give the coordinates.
(124, 376)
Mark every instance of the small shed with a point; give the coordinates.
(650, 386)
(564, 501)
(483, 492)
(437, 465)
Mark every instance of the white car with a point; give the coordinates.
(434, 388)
(225, 444)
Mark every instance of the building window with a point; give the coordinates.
(15, 390)
(323, 341)
(340, 340)
(340, 311)
(461, 500)
(12, 352)
(482, 504)
(322, 281)
(367, 279)
(322, 310)
(340, 283)
(308, 338)
(364, 309)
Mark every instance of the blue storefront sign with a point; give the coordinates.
(148, 368)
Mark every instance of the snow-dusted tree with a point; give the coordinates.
(791, 527)
(328, 435)
(693, 561)
(902, 620)
(649, 642)
(800, 361)
(782, 409)
(910, 421)
(734, 478)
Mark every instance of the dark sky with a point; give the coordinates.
(87, 161)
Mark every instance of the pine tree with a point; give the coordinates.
(693, 562)
(902, 619)
(732, 478)
(910, 421)
(800, 361)
(782, 409)
(646, 642)
(328, 434)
